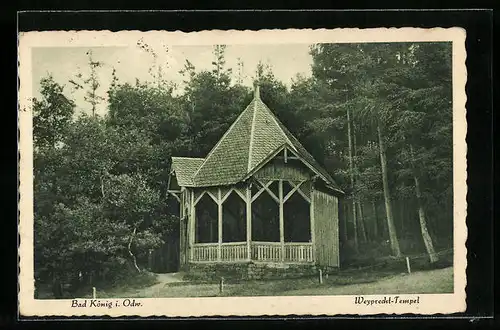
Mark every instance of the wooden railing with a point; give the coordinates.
(260, 251)
(234, 251)
(205, 252)
(266, 251)
(299, 252)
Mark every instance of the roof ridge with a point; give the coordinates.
(293, 142)
(185, 157)
(277, 122)
(252, 131)
(220, 140)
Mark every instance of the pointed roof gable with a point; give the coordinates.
(184, 168)
(249, 142)
(227, 162)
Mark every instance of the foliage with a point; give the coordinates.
(52, 113)
(97, 178)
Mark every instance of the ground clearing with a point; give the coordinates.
(348, 283)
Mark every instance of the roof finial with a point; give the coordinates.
(256, 91)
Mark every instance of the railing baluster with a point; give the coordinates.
(260, 251)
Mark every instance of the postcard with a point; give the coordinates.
(242, 173)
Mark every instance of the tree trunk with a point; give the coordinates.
(401, 204)
(387, 197)
(375, 221)
(354, 224)
(359, 207)
(351, 172)
(361, 222)
(344, 221)
(134, 259)
(429, 246)
(57, 290)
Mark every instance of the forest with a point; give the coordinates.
(377, 116)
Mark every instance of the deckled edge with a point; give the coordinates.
(34, 34)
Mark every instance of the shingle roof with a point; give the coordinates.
(184, 168)
(227, 162)
(254, 136)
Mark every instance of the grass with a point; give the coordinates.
(389, 277)
(432, 281)
(130, 282)
(343, 283)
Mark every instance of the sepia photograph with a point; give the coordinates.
(167, 166)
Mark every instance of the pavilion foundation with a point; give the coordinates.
(242, 271)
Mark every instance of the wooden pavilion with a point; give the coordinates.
(257, 197)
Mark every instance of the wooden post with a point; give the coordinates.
(320, 276)
(94, 293)
(219, 226)
(221, 285)
(282, 220)
(408, 265)
(182, 243)
(311, 216)
(192, 227)
(150, 259)
(249, 222)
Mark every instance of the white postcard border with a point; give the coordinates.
(242, 306)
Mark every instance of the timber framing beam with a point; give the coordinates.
(198, 198)
(313, 229)
(248, 200)
(175, 194)
(229, 193)
(215, 198)
(300, 191)
(271, 193)
(219, 225)
(264, 188)
(282, 220)
(295, 188)
(209, 193)
(192, 225)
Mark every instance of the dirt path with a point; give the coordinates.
(163, 280)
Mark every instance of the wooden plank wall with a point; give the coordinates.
(277, 171)
(326, 228)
